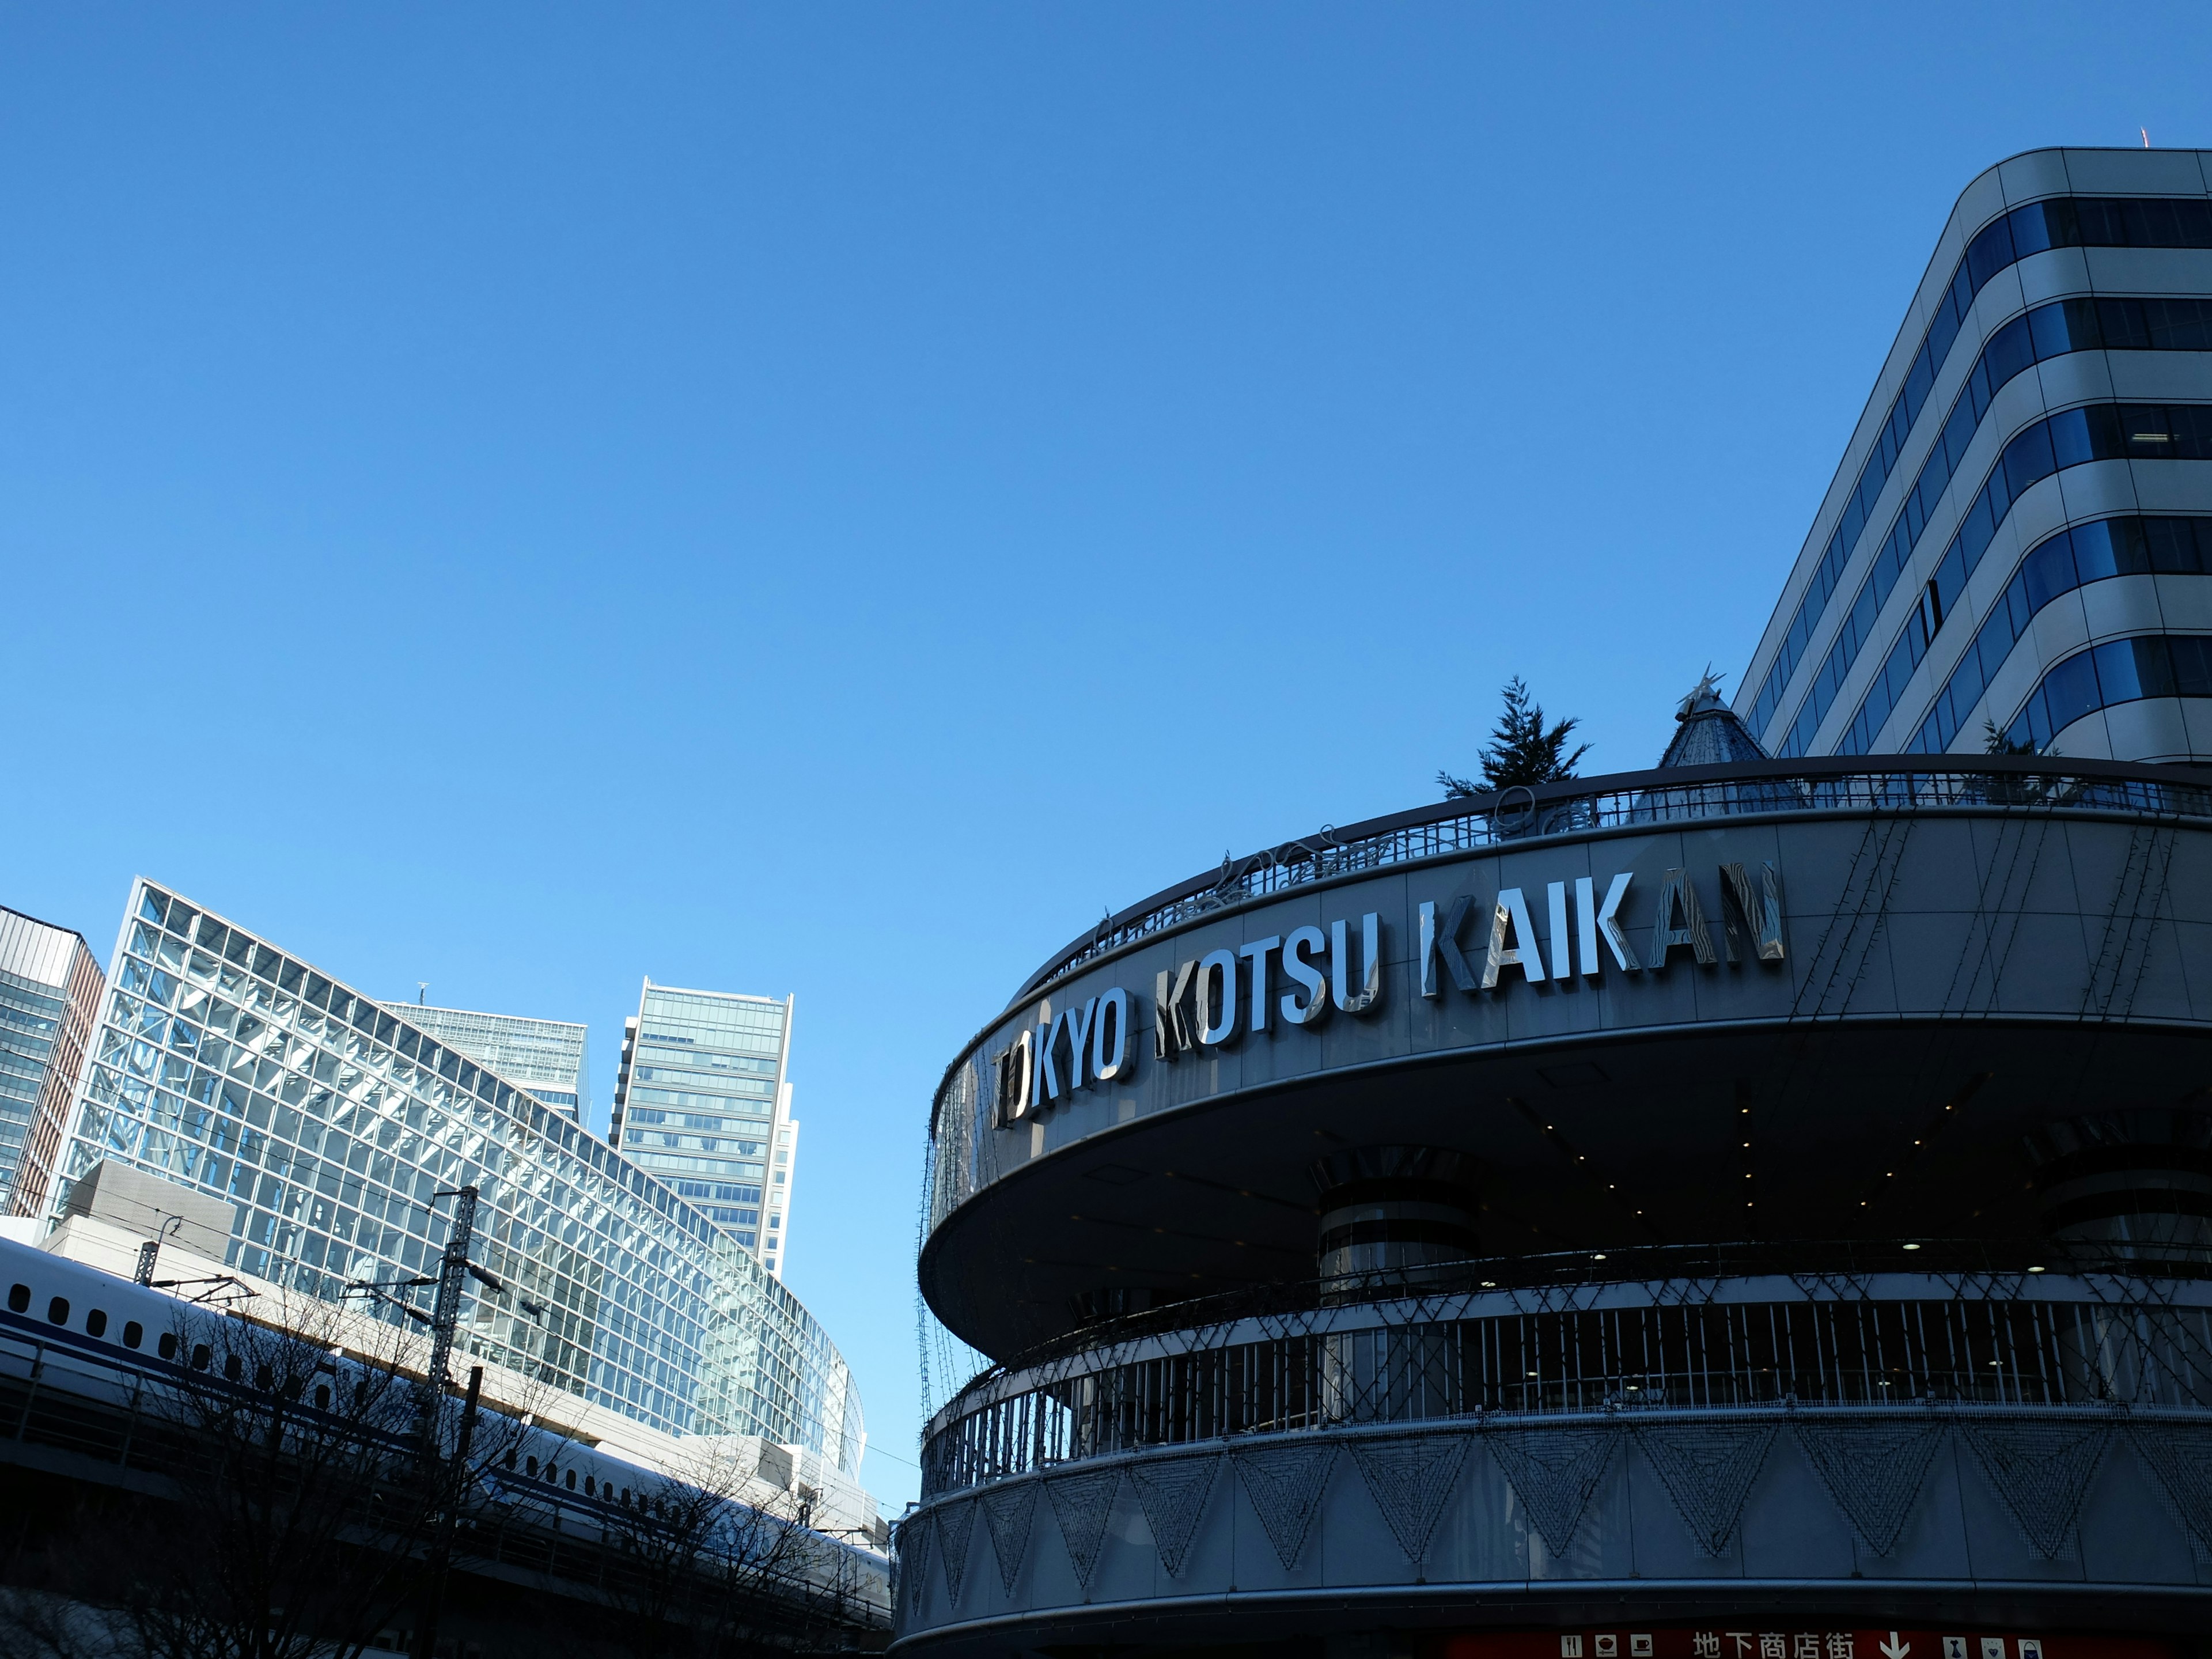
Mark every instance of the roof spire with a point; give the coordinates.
(1709, 731)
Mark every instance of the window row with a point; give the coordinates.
(2129, 546)
(2094, 432)
(2117, 672)
(2047, 331)
(2061, 221)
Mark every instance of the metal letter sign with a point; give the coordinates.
(1210, 1002)
(1751, 912)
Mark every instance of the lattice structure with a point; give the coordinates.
(1173, 1491)
(2042, 1471)
(1707, 1469)
(955, 1521)
(1083, 1504)
(2180, 1456)
(1285, 1484)
(914, 1537)
(1554, 1472)
(1411, 1480)
(1008, 1511)
(1873, 1469)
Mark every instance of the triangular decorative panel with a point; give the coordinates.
(1174, 1491)
(1707, 1468)
(1083, 1503)
(2180, 1456)
(954, 1521)
(1285, 1484)
(1007, 1511)
(1411, 1480)
(913, 1557)
(1872, 1469)
(1554, 1472)
(2042, 1470)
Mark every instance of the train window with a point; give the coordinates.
(572, 1481)
(58, 1311)
(133, 1334)
(510, 1457)
(200, 1356)
(589, 1489)
(534, 1468)
(625, 1498)
(233, 1366)
(168, 1348)
(322, 1396)
(19, 1298)
(95, 1323)
(263, 1378)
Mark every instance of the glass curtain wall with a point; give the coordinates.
(329, 1123)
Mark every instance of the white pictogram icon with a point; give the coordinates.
(1993, 1647)
(1894, 1649)
(1954, 1647)
(1570, 1647)
(1639, 1647)
(2031, 1647)
(1608, 1647)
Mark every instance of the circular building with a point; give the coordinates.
(1750, 1209)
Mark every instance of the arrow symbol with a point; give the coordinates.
(1894, 1649)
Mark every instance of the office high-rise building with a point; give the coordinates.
(701, 1100)
(2014, 551)
(551, 1059)
(50, 989)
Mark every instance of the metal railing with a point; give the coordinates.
(1841, 1338)
(1685, 794)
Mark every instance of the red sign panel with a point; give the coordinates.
(1747, 1641)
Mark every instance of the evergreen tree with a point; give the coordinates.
(1521, 751)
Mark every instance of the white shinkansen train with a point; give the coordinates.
(69, 1329)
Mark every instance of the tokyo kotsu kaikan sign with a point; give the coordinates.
(1213, 1001)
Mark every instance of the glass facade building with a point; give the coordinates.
(2008, 557)
(330, 1122)
(701, 1100)
(49, 996)
(550, 1058)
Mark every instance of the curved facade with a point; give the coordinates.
(1762, 1199)
(2054, 373)
(329, 1123)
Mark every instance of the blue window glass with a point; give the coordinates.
(2192, 657)
(2061, 221)
(2069, 690)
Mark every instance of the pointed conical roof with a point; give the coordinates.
(1708, 731)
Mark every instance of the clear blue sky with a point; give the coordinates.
(829, 499)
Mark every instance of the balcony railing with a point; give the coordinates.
(1940, 1331)
(1686, 794)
